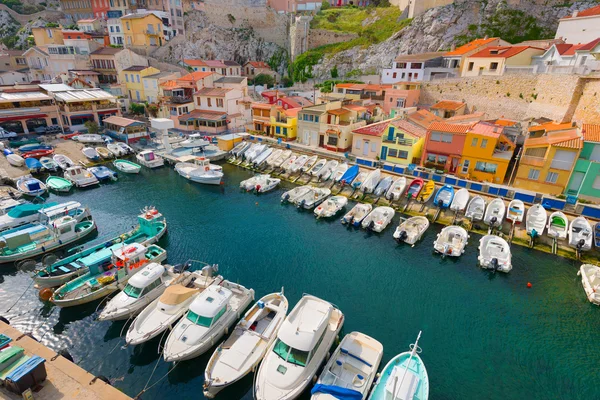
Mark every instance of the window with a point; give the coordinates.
(112, 29)
(447, 138)
(394, 75)
(373, 146)
(436, 137)
(474, 142)
(400, 103)
(290, 354)
(483, 143)
(131, 77)
(416, 65)
(486, 167)
(285, 131)
(127, 25)
(198, 319)
(552, 177)
(316, 118)
(392, 153)
(332, 140)
(132, 291)
(596, 184)
(219, 102)
(208, 101)
(400, 65)
(403, 154)
(471, 66)
(278, 129)
(431, 158)
(146, 84)
(493, 66)
(442, 159)
(357, 146)
(137, 78)
(199, 101)
(311, 118)
(534, 174)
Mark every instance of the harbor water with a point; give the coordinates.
(485, 335)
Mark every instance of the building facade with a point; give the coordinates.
(585, 179)
(443, 147)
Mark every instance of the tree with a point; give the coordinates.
(264, 79)
(325, 5)
(334, 72)
(152, 110)
(137, 109)
(91, 126)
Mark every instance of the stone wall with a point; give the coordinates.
(321, 37)
(588, 106)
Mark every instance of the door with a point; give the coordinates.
(366, 148)
(576, 181)
(321, 140)
(313, 137)
(384, 151)
(465, 167)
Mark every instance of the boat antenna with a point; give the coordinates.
(414, 350)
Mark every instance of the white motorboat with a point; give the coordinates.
(378, 219)
(194, 140)
(163, 312)
(302, 345)
(476, 209)
(355, 216)
(327, 171)
(262, 157)
(314, 171)
(80, 177)
(240, 148)
(352, 368)
(201, 171)
(63, 161)
(285, 155)
(209, 317)
(43, 213)
(89, 138)
(359, 180)
(150, 159)
(371, 181)
(535, 221)
(288, 164)
(411, 230)
(331, 206)
(580, 234)
(275, 154)
(298, 164)
(15, 160)
(590, 279)
(310, 163)
(91, 153)
(247, 345)
(250, 183)
(460, 201)
(291, 195)
(254, 152)
(383, 186)
(397, 189)
(114, 149)
(515, 211)
(312, 198)
(494, 253)
(126, 166)
(125, 149)
(494, 214)
(340, 170)
(451, 241)
(558, 225)
(266, 184)
(241, 152)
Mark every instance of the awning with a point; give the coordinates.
(203, 115)
(22, 117)
(107, 112)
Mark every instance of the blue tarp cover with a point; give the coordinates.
(337, 392)
(25, 368)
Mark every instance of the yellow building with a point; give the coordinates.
(486, 153)
(496, 59)
(548, 158)
(47, 35)
(402, 142)
(142, 30)
(273, 120)
(133, 79)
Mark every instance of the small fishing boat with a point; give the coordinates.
(451, 241)
(414, 189)
(580, 234)
(88, 138)
(349, 176)
(291, 195)
(262, 157)
(299, 163)
(247, 345)
(314, 171)
(15, 160)
(150, 159)
(403, 378)
(273, 156)
(104, 152)
(43, 213)
(63, 161)
(195, 140)
(371, 181)
(312, 198)
(535, 221)
(48, 164)
(596, 235)
(378, 219)
(125, 149)
(515, 211)
(127, 167)
(238, 148)
(309, 164)
(266, 184)
(37, 154)
(103, 173)
(494, 214)
(355, 216)
(210, 316)
(250, 183)
(100, 281)
(461, 199)
(396, 191)
(331, 206)
(201, 171)
(278, 162)
(444, 196)
(80, 177)
(558, 225)
(383, 186)
(339, 172)
(302, 344)
(427, 192)
(494, 253)
(33, 165)
(31, 186)
(360, 178)
(590, 279)
(289, 163)
(411, 230)
(58, 184)
(33, 147)
(327, 171)
(351, 369)
(254, 152)
(91, 153)
(476, 209)
(115, 150)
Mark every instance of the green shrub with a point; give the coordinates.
(264, 79)
(137, 109)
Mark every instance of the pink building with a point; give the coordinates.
(444, 145)
(401, 95)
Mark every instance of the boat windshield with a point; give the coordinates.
(132, 291)
(198, 319)
(289, 354)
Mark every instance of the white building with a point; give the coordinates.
(115, 31)
(414, 68)
(580, 27)
(12, 77)
(569, 58)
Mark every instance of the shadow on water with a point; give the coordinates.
(146, 353)
(69, 315)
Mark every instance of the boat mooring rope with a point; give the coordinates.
(20, 297)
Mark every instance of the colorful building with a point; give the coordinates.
(448, 108)
(287, 102)
(152, 83)
(77, 9)
(143, 30)
(455, 58)
(366, 141)
(223, 67)
(125, 129)
(134, 85)
(254, 68)
(43, 35)
(400, 96)
(110, 62)
(444, 145)
(402, 142)
(493, 61)
(585, 180)
(25, 108)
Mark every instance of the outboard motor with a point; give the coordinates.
(351, 220)
(402, 237)
(286, 197)
(494, 264)
(371, 225)
(440, 203)
(493, 221)
(257, 188)
(580, 244)
(301, 203)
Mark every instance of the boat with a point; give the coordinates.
(515, 211)
(248, 343)
(535, 221)
(476, 209)
(312, 198)
(580, 234)
(127, 167)
(115, 150)
(91, 153)
(102, 280)
(396, 191)
(43, 213)
(208, 319)
(15, 160)
(314, 171)
(194, 140)
(279, 161)
(309, 164)
(58, 184)
(339, 172)
(494, 214)
(239, 148)
(89, 138)
(104, 152)
(292, 194)
(103, 173)
(351, 369)
(298, 164)
(143, 288)
(558, 225)
(273, 156)
(125, 149)
(590, 279)
(427, 192)
(261, 183)
(360, 178)
(48, 163)
(150, 228)
(33, 165)
(378, 219)
(262, 157)
(325, 173)
(31, 186)
(254, 152)
(414, 189)
(80, 177)
(403, 378)
(371, 181)
(201, 171)
(451, 241)
(250, 150)
(302, 344)
(31, 240)
(494, 253)
(331, 206)
(250, 183)
(355, 216)
(444, 196)
(411, 230)
(596, 235)
(37, 154)
(33, 147)
(288, 163)
(383, 186)
(461, 199)
(149, 159)
(63, 161)
(349, 176)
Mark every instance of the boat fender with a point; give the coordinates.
(45, 294)
(4, 320)
(43, 249)
(227, 330)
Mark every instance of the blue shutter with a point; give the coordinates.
(384, 151)
(391, 130)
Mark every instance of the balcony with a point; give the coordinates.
(563, 165)
(106, 106)
(181, 99)
(35, 65)
(151, 33)
(532, 160)
(400, 141)
(372, 97)
(502, 154)
(73, 108)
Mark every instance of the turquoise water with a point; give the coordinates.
(484, 335)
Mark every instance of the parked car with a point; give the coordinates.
(7, 134)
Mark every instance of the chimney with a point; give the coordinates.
(575, 13)
(486, 37)
(453, 47)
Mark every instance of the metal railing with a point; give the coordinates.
(181, 99)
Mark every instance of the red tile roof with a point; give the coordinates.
(590, 45)
(460, 129)
(590, 12)
(471, 46)
(569, 139)
(448, 105)
(195, 76)
(217, 92)
(503, 51)
(591, 132)
(292, 112)
(376, 129)
(423, 118)
(571, 144)
(474, 117)
(259, 64)
(410, 128)
(551, 127)
(487, 129)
